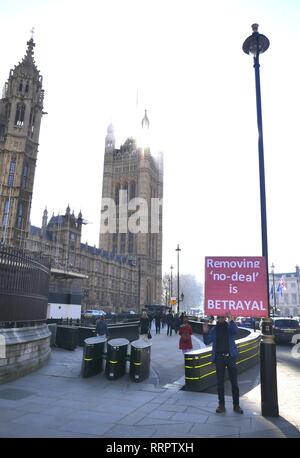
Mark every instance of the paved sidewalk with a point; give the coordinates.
(56, 402)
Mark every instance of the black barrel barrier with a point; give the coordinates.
(140, 360)
(116, 358)
(67, 337)
(92, 362)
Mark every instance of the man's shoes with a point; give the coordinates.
(220, 408)
(237, 409)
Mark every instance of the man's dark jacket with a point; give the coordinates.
(211, 337)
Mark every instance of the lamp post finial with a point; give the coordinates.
(254, 28)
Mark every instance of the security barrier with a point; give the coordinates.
(140, 360)
(85, 333)
(67, 337)
(93, 352)
(200, 371)
(128, 331)
(116, 358)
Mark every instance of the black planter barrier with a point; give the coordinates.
(116, 358)
(200, 372)
(85, 333)
(140, 360)
(67, 337)
(93, 352)
(52, 329)
(128, 331)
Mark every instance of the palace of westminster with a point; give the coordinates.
(125, 272)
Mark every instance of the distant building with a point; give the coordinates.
(287, 293)
(135, 170)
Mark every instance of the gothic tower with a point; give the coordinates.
(132, 172)
(21, 110)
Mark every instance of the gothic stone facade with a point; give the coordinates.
(125, 271)
(112, 280)
(21, 110)
(138, 172)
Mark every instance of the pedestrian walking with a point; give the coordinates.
(169, 321)
(185, 332)
(224, 354)
(157, 322)
(101, 327)
(181, 318)
(150, 317)
(144, 326)
(163, 320)
(177, 323)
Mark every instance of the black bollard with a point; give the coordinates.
(268, 376)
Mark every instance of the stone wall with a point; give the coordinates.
(26, 349)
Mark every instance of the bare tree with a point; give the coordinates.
(189, 286)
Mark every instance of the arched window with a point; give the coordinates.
(117, 190)
(115, 243)
(11, 175)
(27, 87)
(6, 212)
(25, 175)
(20, 216)
(149, 244)
(132, 189)
(149, 293)
(20, 115)
(21, 86)
(32, 121)
(130, 243)
(153, 247)
(125, 188)
(123, 243)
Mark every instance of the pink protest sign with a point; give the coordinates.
(236, 286)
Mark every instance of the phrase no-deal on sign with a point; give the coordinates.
(236, 286)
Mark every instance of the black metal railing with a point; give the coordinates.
(24, 286)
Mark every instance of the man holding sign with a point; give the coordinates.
(224, 353)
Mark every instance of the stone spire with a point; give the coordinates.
(110, 138)
(28, 65)
(145, 121)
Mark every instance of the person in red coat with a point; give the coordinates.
(185, 332)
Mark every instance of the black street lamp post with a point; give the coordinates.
(139, 285)
(178, 298)
(255, 45)
(171, 292)
(273, 289)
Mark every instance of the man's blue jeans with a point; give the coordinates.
(221, 363)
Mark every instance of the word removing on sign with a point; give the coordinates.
(236, 286)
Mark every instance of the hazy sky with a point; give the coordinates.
(185, 59)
